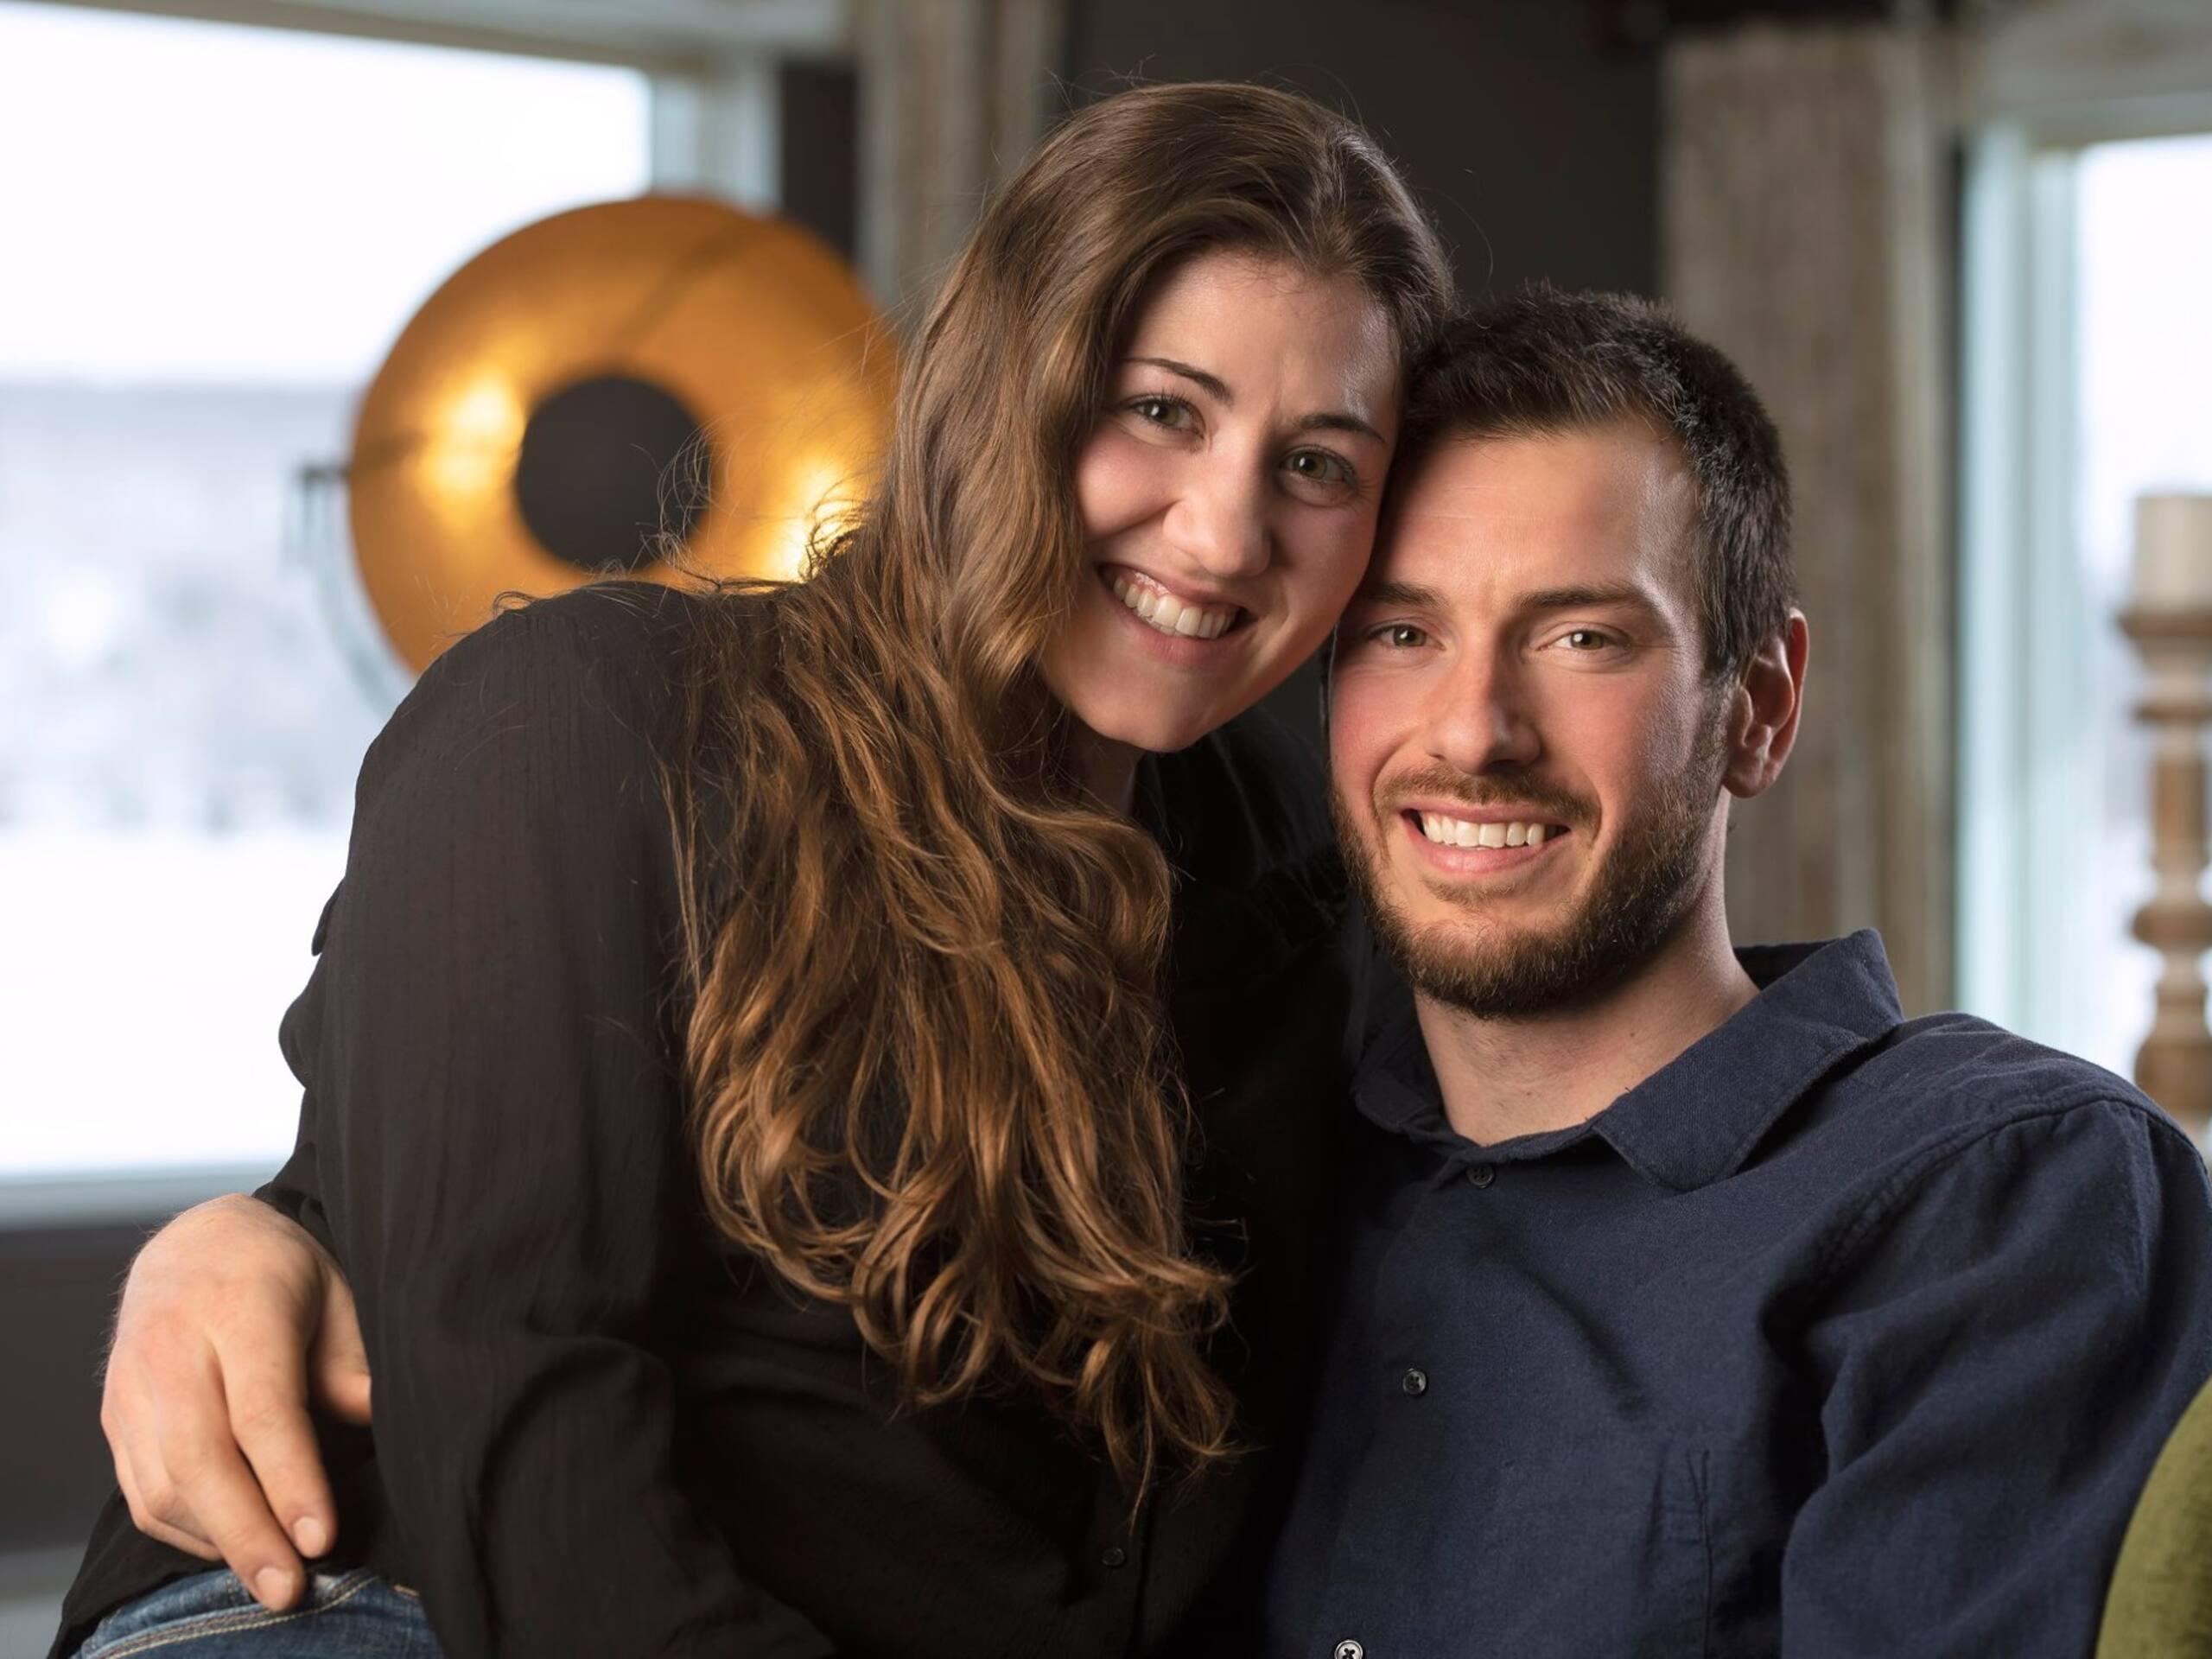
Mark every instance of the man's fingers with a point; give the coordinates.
(151, 1496)
(207, 1386)
(227, 1508)
(346, 1397)
(126, 1476)
(266, 1388)
(338, 1369)
(185, 1481)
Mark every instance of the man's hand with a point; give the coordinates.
(232, 1320)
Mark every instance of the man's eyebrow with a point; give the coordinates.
(1395, 593)
(1577, 599)
(1334, 420)
(1415, 596)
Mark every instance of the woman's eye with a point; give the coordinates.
(1171, 412)
(1319, 467)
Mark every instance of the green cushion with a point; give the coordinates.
(2160, 1606)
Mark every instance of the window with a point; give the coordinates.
(216, 233)
(2088, 354)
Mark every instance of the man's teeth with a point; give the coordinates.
(1458, 832)
(1171, 615)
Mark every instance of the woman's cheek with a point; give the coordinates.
(1341, 559)
(1119, 481)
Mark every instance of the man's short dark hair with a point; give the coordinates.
(1545, 362)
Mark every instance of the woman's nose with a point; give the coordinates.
(1220, 523)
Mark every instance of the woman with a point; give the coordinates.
(737, 1089)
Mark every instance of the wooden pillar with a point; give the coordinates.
(2170, 622)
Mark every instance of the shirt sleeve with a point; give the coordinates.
(496, 1133)
(2013, 1338)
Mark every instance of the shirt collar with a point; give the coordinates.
(1696, 1118)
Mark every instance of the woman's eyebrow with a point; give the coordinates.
(1340, 420)
(1213, 385)
(1334, 420)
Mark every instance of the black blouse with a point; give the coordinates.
(601, 1430)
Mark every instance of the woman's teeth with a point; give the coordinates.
(1171, 615)
(1458, 832)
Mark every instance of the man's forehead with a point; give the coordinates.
(1531, 508)
(1470, 472)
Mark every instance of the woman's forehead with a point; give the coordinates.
(1267, 329)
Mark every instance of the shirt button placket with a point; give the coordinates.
(1349, 1649)
(1480, 1175)
(1414, 1382)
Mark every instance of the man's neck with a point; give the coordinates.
(1507, 1077)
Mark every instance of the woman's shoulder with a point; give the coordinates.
(580, 692)
(542, 753)
(641, 636)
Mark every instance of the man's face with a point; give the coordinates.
(1528, 753)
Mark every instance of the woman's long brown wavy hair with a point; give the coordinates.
(925, 1044)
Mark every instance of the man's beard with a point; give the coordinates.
(1641, 893)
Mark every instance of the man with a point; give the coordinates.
(1693, 1301)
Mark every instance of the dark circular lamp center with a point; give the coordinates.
(609, 467)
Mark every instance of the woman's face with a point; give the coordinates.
(1228, 496)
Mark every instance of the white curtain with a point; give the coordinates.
(953, 94)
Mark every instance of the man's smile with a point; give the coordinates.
(1483, 844)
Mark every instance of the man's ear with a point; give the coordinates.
(1763, 711)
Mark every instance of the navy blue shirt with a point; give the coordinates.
(1838, 1335)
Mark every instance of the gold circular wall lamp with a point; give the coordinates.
(603, 384)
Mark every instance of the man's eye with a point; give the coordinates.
(1585, 639)
(1399, 636)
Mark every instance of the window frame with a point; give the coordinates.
(2036, 96)
(714, 112)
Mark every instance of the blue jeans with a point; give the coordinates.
(353, 1615)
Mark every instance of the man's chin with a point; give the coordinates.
(1478, 955)
(1491, 971)
(1478, 943)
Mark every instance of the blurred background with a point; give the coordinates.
(1964, 250)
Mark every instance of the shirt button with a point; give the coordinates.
(1117, 1556)
(1414, 1381)
(1481, 1174)
(1351, 1650)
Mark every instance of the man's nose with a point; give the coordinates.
(1220, 520)
(1480, 717)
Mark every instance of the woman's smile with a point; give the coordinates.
(1172, 610)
